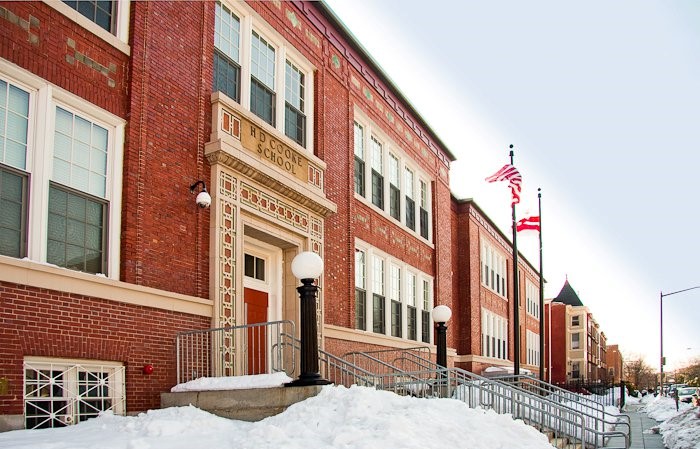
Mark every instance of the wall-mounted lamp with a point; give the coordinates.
(203, 198)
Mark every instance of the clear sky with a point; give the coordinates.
(602, 102)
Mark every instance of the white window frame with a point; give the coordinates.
(120, 36)
(496, 262)
(374, 255)
(578, 340)
(44, 98)
(389, 149)
(71, 398)
(533, 348)
(494, 330)
(250, 21)
(532, 294)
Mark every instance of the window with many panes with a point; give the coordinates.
(406, 195)
(396, 322)
(494, 335)
(412, 314)
(378, 298)
(75, 223)
(425, 312)
(227, 49)
(424, 208)
(533, 348)
(58, 393)
(410, 203)
(377, 173)
(279, 86)
(262, 79)
(393, 287)
(101, 12)
(359, 159)
(493, 268)
(394, 190)
(360, 290)
(532, 294)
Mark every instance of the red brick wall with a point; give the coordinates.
(559, 342)
(44, 50)
(49, 323)
(165, 236)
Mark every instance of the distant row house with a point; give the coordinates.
(576, 346)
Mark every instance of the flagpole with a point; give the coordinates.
(539, 204)
(516, 292)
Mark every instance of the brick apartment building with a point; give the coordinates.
(110, 116)
(577, 349)
(615, 364)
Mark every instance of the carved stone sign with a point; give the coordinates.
(272, 151)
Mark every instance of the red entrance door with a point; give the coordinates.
(256, 312)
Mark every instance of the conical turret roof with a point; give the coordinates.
(567, 295)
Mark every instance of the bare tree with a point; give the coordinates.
(639, 374)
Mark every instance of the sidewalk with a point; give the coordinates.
(639, 422)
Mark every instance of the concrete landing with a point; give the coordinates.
(245, 405)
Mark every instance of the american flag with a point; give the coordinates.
(512, 175)
(529, 223)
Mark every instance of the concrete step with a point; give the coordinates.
(245, 405)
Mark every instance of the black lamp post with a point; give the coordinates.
(441, 315)
(308, 266)
(662, 361)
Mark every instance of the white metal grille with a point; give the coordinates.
(61, 393)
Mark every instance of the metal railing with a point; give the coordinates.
(235, 351)
(517, 393)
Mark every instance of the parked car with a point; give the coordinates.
(685, 394)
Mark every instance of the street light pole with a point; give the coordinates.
(661, 333)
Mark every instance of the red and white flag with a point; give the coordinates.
(512, 175)
(529, 223)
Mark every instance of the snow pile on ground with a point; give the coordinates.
(680, 429)
(683, 430)
(339, 417)
(662, 408)
(234, 382)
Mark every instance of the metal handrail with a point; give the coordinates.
(224, 351)
(596, 420)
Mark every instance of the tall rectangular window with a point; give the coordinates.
(576, 341)
(360, 291)
(493, 268)
(494, 335)
(410, 203)
(359, 134)
(262, 82)
(100, 12)
(14, 125)
(227, 42)
(424, 207)
(377, 174)
(394, 191)
(378, 303)
(411, 305)
(294, 118)
(425, 313)
(77, 209)
(396, 322)
(575, 320)
(532, 294)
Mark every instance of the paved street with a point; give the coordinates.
(639, 422)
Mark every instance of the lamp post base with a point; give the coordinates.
(308, 379)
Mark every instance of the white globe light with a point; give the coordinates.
(442, 314)
(307, 265)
